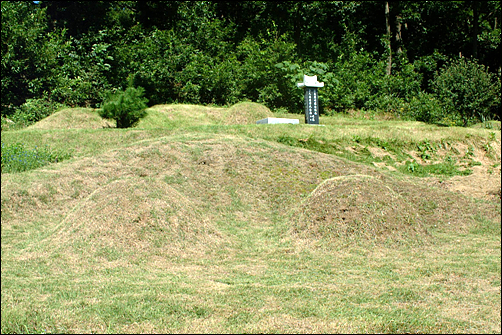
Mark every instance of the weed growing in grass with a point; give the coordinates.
(17, 158)
(446, 168)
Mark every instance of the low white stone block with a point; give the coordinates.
(275, 120)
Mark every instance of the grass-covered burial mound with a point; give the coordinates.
(140, 216)
(246, 113)
(358, 207)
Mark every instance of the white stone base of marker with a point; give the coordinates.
(276, 120)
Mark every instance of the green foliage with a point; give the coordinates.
(220, 53)
(359, 81)
(270, 73)
(125, 107)
(17, 158)
(446, 168)
(467, 88)
(26, 54)
(84, 71)
(34, 110)
(349, 84)
(423, 107)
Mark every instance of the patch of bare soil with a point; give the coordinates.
(485, 180)
(483, 183)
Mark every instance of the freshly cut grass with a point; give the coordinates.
(160, 116)
(246, 113)
(183, 115)
(180, 115)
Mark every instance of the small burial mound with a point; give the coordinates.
(246, 113)
(195, 115)
(74, 118)
(358, 207)
(138, 216)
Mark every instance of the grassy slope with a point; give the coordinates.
(186, 224)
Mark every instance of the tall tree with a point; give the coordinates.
(388, 38)
(27, 53)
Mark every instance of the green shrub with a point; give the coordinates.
(423, 107)
(359, 81)
(347, 84)
(125, 107)
(34, 110)
(467, 88)
(269, 73)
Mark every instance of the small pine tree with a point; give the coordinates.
(125, 107)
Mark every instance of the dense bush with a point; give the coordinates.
(268, 72)
(467, 88)
(423, 107)
(34, 110)
(127, 107)
(359, 81)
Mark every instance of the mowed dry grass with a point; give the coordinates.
(253, 233)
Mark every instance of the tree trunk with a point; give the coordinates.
(399, 41)
(475, 26)
(389, 49)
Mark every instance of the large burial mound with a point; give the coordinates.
(166, 197)
(137, 215)
(382, 209)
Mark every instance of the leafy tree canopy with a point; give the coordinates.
(221, 52)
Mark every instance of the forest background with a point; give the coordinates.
(431, 61)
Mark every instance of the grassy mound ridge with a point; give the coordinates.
(183, 115)
(180, 115)
(382, 209)
(152, 186)
(160, 116)
(73, 118)
(358, 207)
(137, 215)
(95, 243)
(246, 113)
